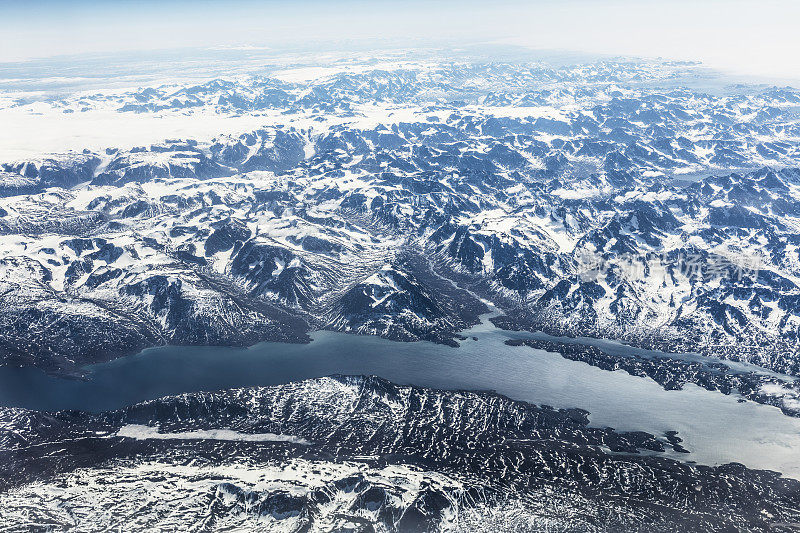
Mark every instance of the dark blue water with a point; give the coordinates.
(716, 428)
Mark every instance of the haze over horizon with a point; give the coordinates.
(741, 36)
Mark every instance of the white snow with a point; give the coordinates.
(142, 432)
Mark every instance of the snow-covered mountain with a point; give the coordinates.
(402, 195)
(363, 454)
(383, 200)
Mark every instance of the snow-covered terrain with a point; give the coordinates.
(401, 196)
(375, 457)
(354, 195)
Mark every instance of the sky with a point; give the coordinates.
(757, 37)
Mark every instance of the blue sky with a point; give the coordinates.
(744, 36)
